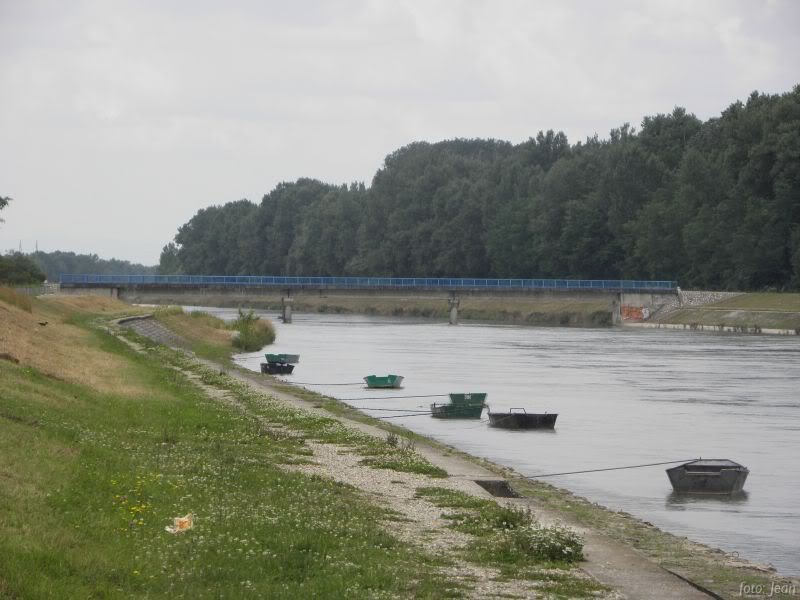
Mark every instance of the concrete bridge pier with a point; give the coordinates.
(453, 301)
(286, 314)
(616, 310)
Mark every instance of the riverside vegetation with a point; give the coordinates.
(105, 439)
(713, 205)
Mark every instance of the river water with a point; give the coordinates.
(623, 396)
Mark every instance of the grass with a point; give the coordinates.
(14, 298)
(378, 453)
(211, 337)
(90, 477)
(206, 335)
(747, 312)
(511, 540)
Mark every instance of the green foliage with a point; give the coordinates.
(19, 269)
(253, 332)
(3, 203)
(712, 205)
(169, 263)
(57, 262)
(505, 534)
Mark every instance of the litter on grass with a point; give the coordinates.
(181, 524)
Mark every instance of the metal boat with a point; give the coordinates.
(283, 358)
(276, 368)
(461, 406)
(522, 420)
(386, 381)
(708, 476)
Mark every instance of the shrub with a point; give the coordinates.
(18, 269)
(253, 332)
(555, 543)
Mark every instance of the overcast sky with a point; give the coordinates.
(119, 120)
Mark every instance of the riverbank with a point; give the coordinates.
(723, 572)
(720, 311)
(149, 411)
(768, 313)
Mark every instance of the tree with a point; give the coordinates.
(3, 203)
(18, 269)
(169, 262)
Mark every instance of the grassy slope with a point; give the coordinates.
(764, 310)
(91, 474)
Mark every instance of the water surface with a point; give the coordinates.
(623, 397)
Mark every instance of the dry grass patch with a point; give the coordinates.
(197, 327)
(92, 304)
(44, 339)
(11, 296)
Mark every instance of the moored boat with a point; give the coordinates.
(522, 420)
(283, 358)
(461, 406)
(386, 381)
(277, 368)
(472, 398)
(709, 476)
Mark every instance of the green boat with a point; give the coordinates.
(286, 359)
(387, 381)
(468, 399)
(461, 406)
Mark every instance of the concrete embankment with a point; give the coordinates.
(757, 313)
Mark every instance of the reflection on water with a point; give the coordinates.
(676, 501)
(624, 397)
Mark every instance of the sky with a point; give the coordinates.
(120, 120)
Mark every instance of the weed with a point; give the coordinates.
(253, 332)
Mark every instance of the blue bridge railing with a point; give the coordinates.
(366, 282)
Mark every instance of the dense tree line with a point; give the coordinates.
(16, 269)
(55, 263)
(712, 204)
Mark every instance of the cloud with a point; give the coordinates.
(141, 113)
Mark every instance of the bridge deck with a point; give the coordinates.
(287, 282)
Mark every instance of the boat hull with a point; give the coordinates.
(272, 368)
(523, 420)
(472, 399)
(389, 381)
(689, 479)
(456, 411)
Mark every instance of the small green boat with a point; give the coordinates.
(387, 381)
(286, 359)
(468, 399)
(461, 406)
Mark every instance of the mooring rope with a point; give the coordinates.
(668, 462)
(401, 416)
(393, 397)
(315, 383)
(408, 410)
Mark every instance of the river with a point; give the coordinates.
(623, 396)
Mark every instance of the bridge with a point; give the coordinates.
(189, 288)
